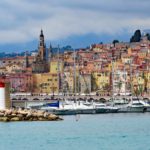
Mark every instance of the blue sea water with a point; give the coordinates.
(85, 132)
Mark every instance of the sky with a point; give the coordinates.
(69, 22)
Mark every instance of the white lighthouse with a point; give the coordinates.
(2, 96)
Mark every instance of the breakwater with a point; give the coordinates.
(26, 115)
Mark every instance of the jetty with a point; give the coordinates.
(9, 115)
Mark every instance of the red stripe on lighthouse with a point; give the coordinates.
(2, 85)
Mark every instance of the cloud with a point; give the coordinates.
(21, 20)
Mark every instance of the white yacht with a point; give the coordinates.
(146, 105)
(84, 108)
(132, 107)
(104, 108)
(71, 108)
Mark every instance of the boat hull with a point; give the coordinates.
(147, 109)
(65, 112)
(113, 110)
(131, 109)
(102, 110)
(86, 111)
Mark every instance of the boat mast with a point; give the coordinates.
(112, 62)
(78, 78)
(74, 73)
(131, 82)
(112, 81)
(125, 81)
(58, 68)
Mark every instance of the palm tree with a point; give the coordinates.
(145, 82)
(138, 90)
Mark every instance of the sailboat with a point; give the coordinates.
(135, 105)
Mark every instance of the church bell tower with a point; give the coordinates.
(42, 48)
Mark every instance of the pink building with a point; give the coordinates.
(20, 82)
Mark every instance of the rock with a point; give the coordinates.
(14, 111)
(5, 119)
(42, 119)
(31, 119)
(45, 114)
(39, 114)
(8, 112)
(20, 116)
(23, 112)
(1, 114)
(35, 119)
(29, 114)
(15, 119)
(34, 114)
(52, 117)
(13, 115)
(26, 115)
(2, 111)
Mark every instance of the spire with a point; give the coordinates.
(42, 47)
(50, 53)
(41, 35)
(50, 46)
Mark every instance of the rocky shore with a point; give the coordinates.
(26, 115)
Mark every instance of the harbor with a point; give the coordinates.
(83, 105)
(75, 75)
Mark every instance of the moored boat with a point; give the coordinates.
(133, 107)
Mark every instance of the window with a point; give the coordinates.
(49, 79)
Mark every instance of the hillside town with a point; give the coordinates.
(118, 67)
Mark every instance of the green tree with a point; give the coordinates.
(115, 41)
(86, 91)
(119, 85)
(148, 36)
(138, 90)
(145, 82)
(136, 37)
(94, 84)
(141, 89)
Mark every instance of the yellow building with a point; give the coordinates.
(138, 83)
(116, 65)
(69, 80)
(147, 80)
(102, 79)
(45, 83)
(55, 67)
(129, 51)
